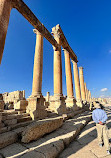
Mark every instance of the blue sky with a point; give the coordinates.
(87, 27)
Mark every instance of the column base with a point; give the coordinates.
(57, 105)
(71, 104)
(36, 107)
(21, 105)
(79, 103)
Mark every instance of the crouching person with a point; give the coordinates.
(100, 117)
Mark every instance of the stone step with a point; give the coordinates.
(50, 145)
(22, 124)
(3, 129)
(14, 116)
(51, 114)
(24, 119)
(9, 112)
(39, 128)
(8, 138)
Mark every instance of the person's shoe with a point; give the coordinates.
(101, 145)
(108, 152)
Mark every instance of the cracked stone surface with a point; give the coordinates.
(50, 145)
(86, 144)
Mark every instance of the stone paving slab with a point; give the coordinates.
(86, 144)
(50, 145)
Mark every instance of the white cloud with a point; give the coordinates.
(104, 89)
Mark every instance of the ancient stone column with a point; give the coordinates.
(77, 85)
(48, 96)
(82, 84)
(70, 101)
(23, 93)
(68, 74)
(89, 96)
(38, 65)
(58, 105)
(5, 9)
(85, 90)
(36, 106)
(57, 67)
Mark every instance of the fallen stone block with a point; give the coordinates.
(21, 105)
(39, 128)
(2, 104)
(10, 122)
(3, 129)
(7, 139)
(33, 154)
(49, 150)
(68, 138)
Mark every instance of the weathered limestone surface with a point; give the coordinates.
(0, 117)
(76, 80)
(71, 104)
(38, 65)
(82, 83)
(68, 74)
(39, 128)
(10, 122)
(77, 85)
(36, 106)
(51, 145)
(70, 101)
(21, 105)
(57, 64)
(13, 96)
(58, 104)
(7, 139)
(5, 9)
(85, 90)
(2, 104)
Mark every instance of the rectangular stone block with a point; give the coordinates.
(7, 139)
(10, 122)
(36, 107)
(1, 104)
(21, 105)
(0, 117)
(39, 128)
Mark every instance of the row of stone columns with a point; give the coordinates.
(36, 100)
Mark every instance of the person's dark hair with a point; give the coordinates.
(101, 105)
(97, 102)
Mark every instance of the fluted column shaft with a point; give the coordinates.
(68, 74)
(38, 65)
(76, 80)
(82, 83)
(89, 96)
(5, 9)
(85, 90)
(57, 67)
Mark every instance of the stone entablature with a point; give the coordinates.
(13, 96)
